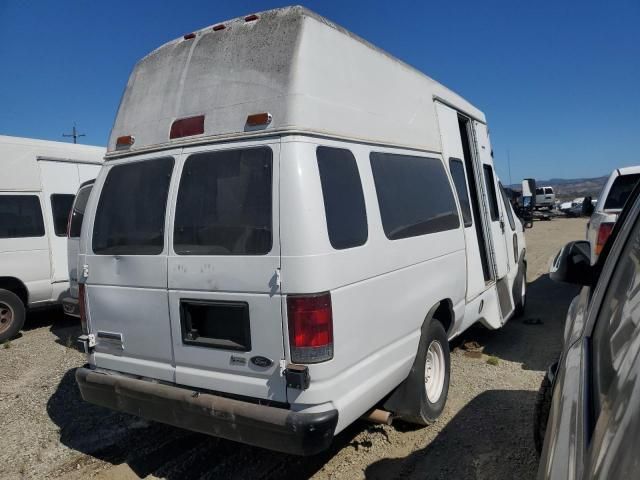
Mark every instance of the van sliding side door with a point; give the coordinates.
(496, 217)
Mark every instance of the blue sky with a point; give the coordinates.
(558, 80)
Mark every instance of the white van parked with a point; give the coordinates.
(37, 186)
(612, 198)
(545, 197)
(290, 226)
(70, 301)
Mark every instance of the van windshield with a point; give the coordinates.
(620, 190)
(224, 203)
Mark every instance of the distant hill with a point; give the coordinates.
(570, 188)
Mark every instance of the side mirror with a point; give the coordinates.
(573, 264)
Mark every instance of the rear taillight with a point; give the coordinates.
(310, 328)
(603, 234)
(82, 308)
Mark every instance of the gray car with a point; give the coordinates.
(587, 421)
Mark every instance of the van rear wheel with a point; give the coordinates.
(12, 315)
(430, 376)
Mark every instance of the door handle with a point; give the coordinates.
(502, 225)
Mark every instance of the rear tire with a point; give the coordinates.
(541, 413)
(12, 315)
(429, 379)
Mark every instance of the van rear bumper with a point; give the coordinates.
(259, 425)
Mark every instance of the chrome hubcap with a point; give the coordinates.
(6, 316)
(434, 371)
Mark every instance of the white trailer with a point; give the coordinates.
(289, 227)
(38, 182)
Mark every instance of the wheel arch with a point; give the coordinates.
(16, 286)
(400, 398)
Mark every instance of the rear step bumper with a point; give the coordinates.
(259, 425)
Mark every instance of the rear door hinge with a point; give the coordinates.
(85, 271)
(278, 277)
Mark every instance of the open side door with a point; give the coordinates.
(496, 216)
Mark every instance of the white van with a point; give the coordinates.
(70, 301)
(37, 186)
(289, 227)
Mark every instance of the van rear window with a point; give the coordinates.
(224, 204)
(131, 210)
(77, 212)
(620, 190)
(414, 195)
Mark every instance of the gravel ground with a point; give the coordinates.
(47, 431)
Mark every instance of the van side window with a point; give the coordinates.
(20, 216)
(460, 182)
(224, 203)
(508, 207)
(131, 210)
(414, 195)
(61, 207)
(77, 212)
(343, 198)
(490, 186)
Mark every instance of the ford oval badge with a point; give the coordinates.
(263, 362)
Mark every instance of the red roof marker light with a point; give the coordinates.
(218, 27)
(251, 18)
(187, 127)
(189, 36)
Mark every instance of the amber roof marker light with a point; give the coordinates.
(125, 141)
(257, 119)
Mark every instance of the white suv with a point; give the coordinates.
(609, 205)
(545, 197)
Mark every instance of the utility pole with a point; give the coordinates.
(509, 165)
(74, 133)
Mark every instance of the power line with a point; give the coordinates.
(74, 133)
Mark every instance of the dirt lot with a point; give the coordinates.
(47, 431)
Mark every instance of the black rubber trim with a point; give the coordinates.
(259, 425)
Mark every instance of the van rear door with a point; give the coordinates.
(224, 261)
(125, 260)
